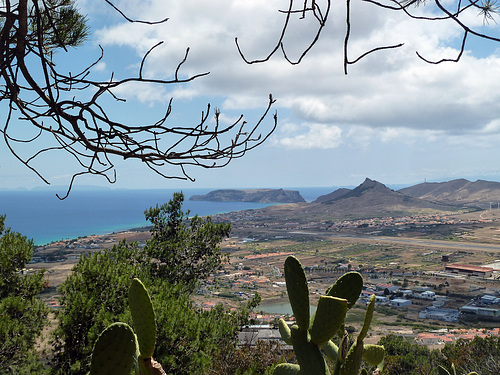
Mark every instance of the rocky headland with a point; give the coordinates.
(251, 195)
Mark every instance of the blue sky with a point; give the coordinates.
(393, 118)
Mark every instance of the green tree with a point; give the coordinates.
(404, 356)
(481, 355)
(92, 297)
(184, 250)
(95, 295)
(22, 315)
(188, 338)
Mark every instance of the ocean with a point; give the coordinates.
(40, 215)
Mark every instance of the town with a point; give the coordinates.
(433, 291)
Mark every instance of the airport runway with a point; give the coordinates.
(451, 245)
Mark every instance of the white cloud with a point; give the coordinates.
(100, 67)
(316, 136)
(390, 89)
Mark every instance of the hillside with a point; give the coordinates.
(374, 198)
(251, 195)
(460, 192)
(332, 196)
(370, 199)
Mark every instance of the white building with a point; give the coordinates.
(427, 295)
(488, 299)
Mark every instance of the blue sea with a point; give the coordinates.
(40, 215)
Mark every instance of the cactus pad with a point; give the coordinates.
(331, 350)
(368, 318)
(309, 356)
(143, 317)
(115, 351)
(285, 332)
(348, 286)
(327, 319)
(353, 360)
(308, 336)
(373, 354)
(298, 291)
(286, 369)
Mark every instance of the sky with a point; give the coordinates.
(393, 118)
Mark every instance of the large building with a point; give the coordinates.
(447, 315)
(481, 311)
(466, 269)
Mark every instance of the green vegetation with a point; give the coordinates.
(95, 295)
(123, 349)
(184, 250)
(481, 355)
(92, 297)
(357, 249)
(305, 245)
(404, 356)
(22, 315)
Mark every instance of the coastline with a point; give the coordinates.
(41, 216)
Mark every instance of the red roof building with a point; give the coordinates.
(466, 269)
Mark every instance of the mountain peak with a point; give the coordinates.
(370, 184)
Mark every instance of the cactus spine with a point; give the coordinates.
(311, 336)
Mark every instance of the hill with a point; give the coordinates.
(374, 198)
(251, 195)
(370, 199)
(459, 192)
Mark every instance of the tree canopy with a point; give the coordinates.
(184, 250)
(22, 315)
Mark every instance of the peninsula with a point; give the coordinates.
(251, 195)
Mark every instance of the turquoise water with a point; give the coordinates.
(40, 215)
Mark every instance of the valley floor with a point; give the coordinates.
(407, 259)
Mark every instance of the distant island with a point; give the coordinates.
(251, 195)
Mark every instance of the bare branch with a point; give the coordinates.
(135, 21)
(346, 41)
(317, 14)
(488, 9)
(83, 128)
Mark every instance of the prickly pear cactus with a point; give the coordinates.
(312, 336)
(119, 350)
(115, 351)
(143, 318)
